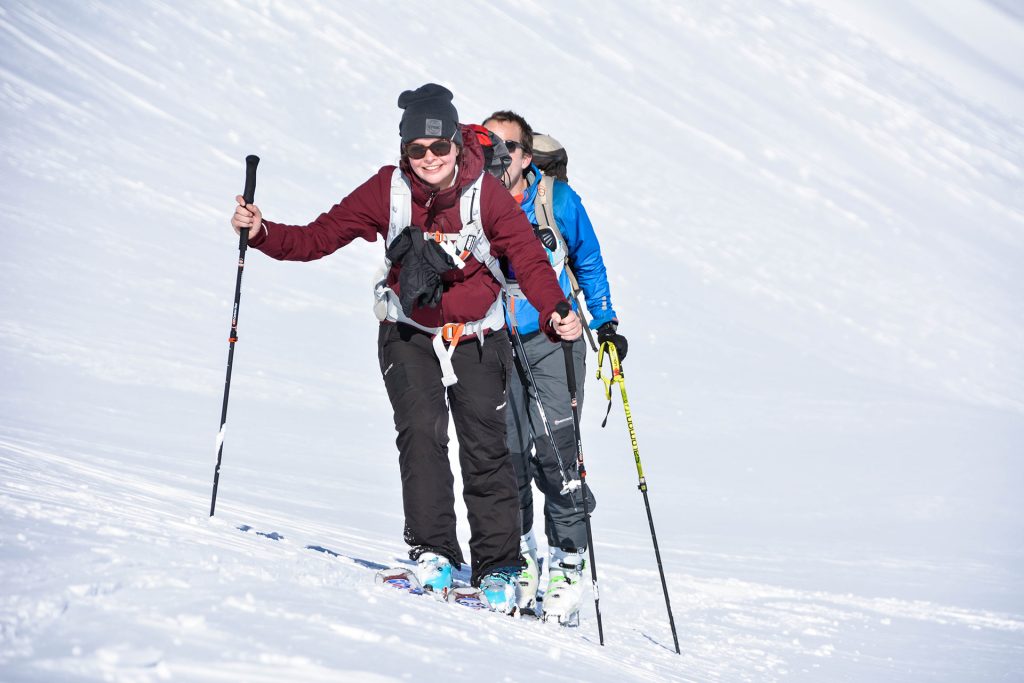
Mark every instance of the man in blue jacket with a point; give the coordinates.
(541, 438)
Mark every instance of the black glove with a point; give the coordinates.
(423, 261)
(607, 333)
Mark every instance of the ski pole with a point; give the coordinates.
(576, 297)
(572, 280)
(524, 361)
(570, 374)
(243, 242)
(618, 378)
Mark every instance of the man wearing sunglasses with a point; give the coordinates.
(442, 337)
(540, 425)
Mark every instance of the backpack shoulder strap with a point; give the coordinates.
(400, 214)
(472, 234)
(544, 210)
(469, 203)
(543, 202)
(472, 229)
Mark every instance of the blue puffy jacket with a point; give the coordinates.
(584, 255)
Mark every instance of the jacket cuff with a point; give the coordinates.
(607, 318)
(260, 237)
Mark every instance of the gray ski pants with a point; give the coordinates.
(531, 449)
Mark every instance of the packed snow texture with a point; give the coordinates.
(812, 217)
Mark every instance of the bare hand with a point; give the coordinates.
(568, 328)
(247, 216)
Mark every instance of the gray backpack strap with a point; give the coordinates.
(542, 202)
(544, 212)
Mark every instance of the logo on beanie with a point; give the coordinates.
(433, 127)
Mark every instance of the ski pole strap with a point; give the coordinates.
(618, 378)
(616, 374)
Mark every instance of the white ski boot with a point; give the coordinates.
(529, 577)
(435, 574)
(564, 595)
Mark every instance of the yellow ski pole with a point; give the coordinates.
(607, 348)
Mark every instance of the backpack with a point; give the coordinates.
(496, 156)
(550, 156)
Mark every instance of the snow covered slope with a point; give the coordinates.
(812, 216)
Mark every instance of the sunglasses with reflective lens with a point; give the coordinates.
(440, 148)
(513, 145)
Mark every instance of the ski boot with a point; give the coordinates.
(499, 590)
(435, 574)
(529, 577)
(564, 595)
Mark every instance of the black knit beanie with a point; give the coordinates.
(429, 113)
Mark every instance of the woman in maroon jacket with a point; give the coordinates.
(442, 288)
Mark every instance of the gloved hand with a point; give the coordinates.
(423, 261)
(608, 333)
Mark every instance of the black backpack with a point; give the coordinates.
(496, 156)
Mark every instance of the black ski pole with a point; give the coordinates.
(570, 374)
(243, 242)
(523, 366)
(619, 378)
(576, 297)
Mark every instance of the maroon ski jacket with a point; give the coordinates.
(468, 292)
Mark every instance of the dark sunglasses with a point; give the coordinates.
(440, 148)
(513, 145)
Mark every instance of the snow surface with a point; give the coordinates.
(813, 219)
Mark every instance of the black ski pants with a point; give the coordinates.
(478, 403)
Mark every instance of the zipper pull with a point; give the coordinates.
(430, 199)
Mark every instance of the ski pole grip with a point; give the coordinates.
(563, 310)
(249, 195)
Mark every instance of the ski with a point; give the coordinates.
(401, 578)
(467, 596)
(405, 579)
(275, 536)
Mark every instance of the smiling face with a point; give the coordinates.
(437, 171)
(509, 131)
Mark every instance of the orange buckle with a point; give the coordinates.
(452, 332)
(437, 235)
